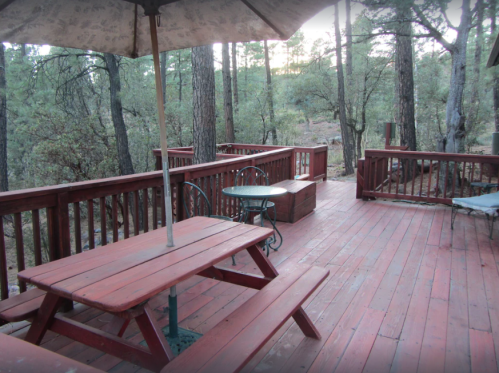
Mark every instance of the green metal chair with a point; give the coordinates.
(196, 203)
(255, 176)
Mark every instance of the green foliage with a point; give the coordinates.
(61, 130)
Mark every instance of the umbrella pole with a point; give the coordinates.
(162, 130)
(172, 298)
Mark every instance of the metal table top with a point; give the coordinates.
(254, 191)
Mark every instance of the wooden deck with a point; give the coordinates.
(405, 293)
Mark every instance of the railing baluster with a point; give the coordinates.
(18, 227)
(437, 187)
(414, 169)
(398, 177)
(406, 166)
(163, 212)
(446, 179)
(146, 210)
(114, 208)
(103, 229)
(37, 243)
(421, 178)
(454, 180)
(91, 237)
(155, 208)
(136, 214)
(126, 216)
(4, 279)
(428, 193)
(390, 174)
(77, 224)
(463, 180)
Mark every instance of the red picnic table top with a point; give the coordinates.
(119, 276)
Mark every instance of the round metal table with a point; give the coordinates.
(255, 199)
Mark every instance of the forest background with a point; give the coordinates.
(73, 115)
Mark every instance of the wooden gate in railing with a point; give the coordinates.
(423, 176)
(44, 224)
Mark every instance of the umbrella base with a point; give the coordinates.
(184, 339)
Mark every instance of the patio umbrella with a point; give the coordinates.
(124, 28)
(130, 28)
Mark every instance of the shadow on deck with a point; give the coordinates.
(405, 293)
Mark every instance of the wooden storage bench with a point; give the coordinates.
(299, 202)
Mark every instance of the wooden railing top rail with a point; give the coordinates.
(120, 182)
(453, 157)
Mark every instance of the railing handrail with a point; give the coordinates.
(456, 157)
(126, 179)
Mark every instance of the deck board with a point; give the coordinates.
(405, 293)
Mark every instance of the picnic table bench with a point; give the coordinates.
(22, 306)
(20, 356)
(238, 337)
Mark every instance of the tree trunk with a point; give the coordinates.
(164, 56)
(229, 117)
(405, 81)
(124, 158)
(472, 117)
(203, 100)
(179, 77)
(270, 94)
(234, 77)
(246, 73)
(495, 72)
(349, 63)
(454, 111)
(4, 181)
(348, 146)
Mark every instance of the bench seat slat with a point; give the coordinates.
(20, 356)
(235, 340)
(22, 306)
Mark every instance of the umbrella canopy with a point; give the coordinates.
(119, 26)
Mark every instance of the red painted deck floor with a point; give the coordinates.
(405, 293)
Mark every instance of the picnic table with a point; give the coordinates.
(121, 277)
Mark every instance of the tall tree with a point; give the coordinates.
(472, 117)
(270, 94)
(120, 132)
(346, 134)
(403, 42)
(4, 181)
(203, 102)
(495, 73)
(164, 57)
(229, 115)
(234, 77)
(453, 141)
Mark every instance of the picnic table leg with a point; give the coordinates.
(117, 326)
(263, 262)
(43, 318)
(154, 338)
(305, 324)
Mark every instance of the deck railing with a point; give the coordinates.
(311, 161)
(44, 224)
(423, 176)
